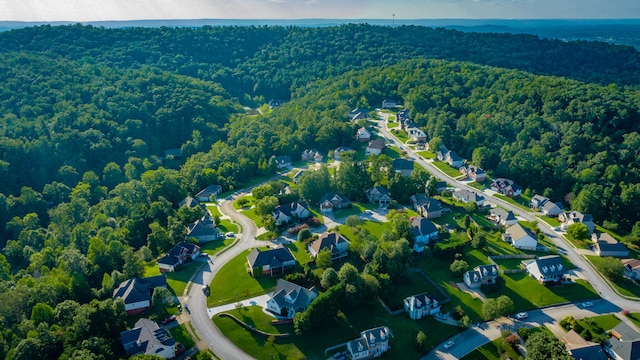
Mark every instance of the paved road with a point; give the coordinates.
(197, 301)
(473, 338)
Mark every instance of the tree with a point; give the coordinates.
(266, 205)
(304, 234)
(611, 267)
(542, 346)
(459, 267)
(329, 278)
(348, 273)
(495, 308)
(479, 240)
(42, 313)
(323, 260)
(435, 144)
(133, 266)
(464, 321)
(578, 231)
(421, 341)
(352, 221)
(161, 299)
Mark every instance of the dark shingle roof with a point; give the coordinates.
(275, 256)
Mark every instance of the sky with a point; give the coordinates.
(99, 10)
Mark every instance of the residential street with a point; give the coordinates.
(466, 341)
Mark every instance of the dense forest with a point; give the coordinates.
(86, 114)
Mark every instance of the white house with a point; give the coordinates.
(421, 305)
(573, 217)
(147, 337)
(520, 238)
(137, 292)
(547, 269)
(288, 299)
(503, 217)
(289, 212)
(481, 275)
(423, 231)
(371, 344)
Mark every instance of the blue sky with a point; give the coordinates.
(93, 10)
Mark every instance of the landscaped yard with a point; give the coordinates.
(426, 154)
(520, 201)
(446, 169)
(624, 286)
(401, 135)
(414, 284)
(212, 247)
(550, 220)
(227, 226)
(373, 227)
(213, 210)
(176, 281)
(233, 283)
(346, 327)
(392, 152)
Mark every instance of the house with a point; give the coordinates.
(311, 155)
(288, 299)
(581, 349)
(147, 337)
(423, 231)
(425, 206)
(173, 154)
(337, 245)
(297, 176)
(178, 255)
(137, 292)
(203, 229)
(506, 187)
(468, 196)
(417, 135)
(450, 157)
(547, 269)
(375, 147)
(208, 193)
(270, 262)
(389, 104)
(606, 245)
(371, 344)
(520, 237)
(274, 103)
(359, 113)
(503, 217)
(440, 185)
(631, 268)
(572, 217)
(281, 161)
(333, 201)
(189, 202)
(473, 172)
(338, 151)
(481, 275)
(544, 205)
(378, 195)
(363, 135)
(290, 212)
(402, 166)
(421, 305)
(624, 343)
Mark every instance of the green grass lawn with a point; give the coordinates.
(213, 210)
(212, 247)
(447, 169)
(345, 327)
(392, 152)
(635, 318)
(400, 134)
(355, 209)
(498, 349)
(605, 322)
(624, 286)
(426, 154)
(414, 284)
(509, 264)
(182, 336)
(251, 214)
(176, 281)
(227, 225)
(249, 202)
(373, 227)
(234, 283)
(520, 201)
(476, 185)
(549, 220)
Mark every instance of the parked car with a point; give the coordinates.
(449, 344)
(230, 234)
(587, 304)
(168, 319)
(522, 315)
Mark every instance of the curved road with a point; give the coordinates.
(466, 341)
(200, 319)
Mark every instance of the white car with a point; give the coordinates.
(587, 304)
(230, 234)
(448, 344)
(522, 315)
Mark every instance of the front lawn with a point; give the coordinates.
(373, 227)
(212, 247)
(445, 168)
(345, 327)
(400, 134)
(624, 286)
(182, 336)
(426, 154)
(520, 201)
(227, 226)
(552, 221)
(176, 281)
(213, 209)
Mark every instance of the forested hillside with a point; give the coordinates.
(86, 113)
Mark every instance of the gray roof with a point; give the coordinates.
(428, 203)
(626, 342)
(209, 191)
(290, 208)
(422, 226)
(290, 295)
(468, 195)
(421, 300)
(145, 336)
(139, 289)
(272, 257)
(328, 241)
(377, 144)
(203, 227)
(402, 164)
(550, 265)
(331, 195)
(504, 214)
(189, 202)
